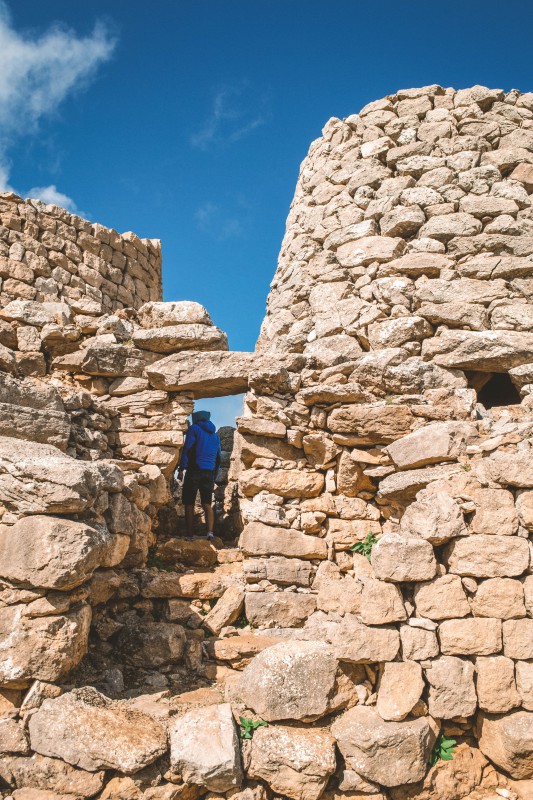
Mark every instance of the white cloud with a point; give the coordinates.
(217, 222)
(50, 194)
(37, 72)
(235, 113)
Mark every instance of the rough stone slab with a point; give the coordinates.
(495, 685)
(364, 644)
(389, 753)
(486, 556)
(452, 692)
(174, 338)
(203, 374)
(400, 689)
(518, 638)
(258, 539)
(472, 636)
(371, 424)
(441, 598)
(278, 609)
(398, 559)
(485, 351)
(508, 742)
(441, 441)
(226, 610)
(43, 774)
(280, 570)
(158, 314)
(204, 748)
(85, 729)
(288, 483)
(294, 762)
(406, 485)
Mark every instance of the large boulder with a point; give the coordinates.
(295, 762)
(202, 373)
(204, 748)
(389, 753)
(40, 479)
(87, 730)
(484, 351)
(44, 648)
(159, 314)
(508, 742)
(51, 552)
(291, 680)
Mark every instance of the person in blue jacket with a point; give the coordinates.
(200, 460)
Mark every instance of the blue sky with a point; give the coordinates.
(187, 120)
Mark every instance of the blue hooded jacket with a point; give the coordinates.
(202, 447)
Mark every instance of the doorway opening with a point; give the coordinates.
(493, 389)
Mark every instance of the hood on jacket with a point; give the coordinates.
(206, 426)
(198, 416)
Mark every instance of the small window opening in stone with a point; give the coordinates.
(494, 389)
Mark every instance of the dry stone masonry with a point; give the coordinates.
(371, 590)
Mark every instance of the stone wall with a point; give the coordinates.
(48, 254)
(380, 594)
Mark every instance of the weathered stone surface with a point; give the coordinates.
(46, 648)
(452, 692)
(442, 441)
(400, 689)
(284, 482)
(524, 507)
(436, 517)
(495, 512)
(258, 539)
(418, 644)
(261, 427)
(441, 598)
(40, 479)
(278, 609)
(31, 409)
(524, 683)
(363, 644)
(291, 680)
(495, 685)
(511, 469)
(203, 584)
(204, 748)
(371, 424)
(87, 730)
(390, 753)
(472, 636)
(395, 558)
(380, 603)
(344, 533)
(397, 331)
(52, 775)
(508, 742)
(486, 351)
(203, 374)
(172, 339)
(226, 610)
(336, 591)
(518, 638)
(183, 312)
(486, 556)
(280, 570)
(115, 360)
(51, 552)
(38, 314)
(294, 762)
(502, 598)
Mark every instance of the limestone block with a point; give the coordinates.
(518, 638)
(239, 650)
(362, 644)
(400, 689)
(162, 314)
(258, 539)
(436, 517)
(496, 687)
(51, 552)
(280, 570)
(294, 762)
(452, 692)
(31, 312)
(447, 226)
(524, 683)
(202, 584)
(524, 174)
(371, 424)
(336, 591)
(381, 603)
(395, 332)
(283, 482)
(524, 507)
(173, 338)
(369, 249)
(441, 441)
(487, 206)
(261, 427)
(486, 351)
(202, 373)
(204, 748)
(406, 485)
(511, 469)
(115, 360)
(502, 598)
(278, 609)
(495, 513)
(456, 315)
(291, 680)
(351, 479)
(398, 559)
(328, 394)
(418, 644)
(84, 728)
(31, 409)
(487, 556)
(13, 737)
(514, 317)
(44, 648)
(40, 479)
(43, 774)
(389, 753)
(472, 636)
(343, 533)
(508, 742)
(441, 598)
(416, 264)
(527, 583)
(403, 221)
